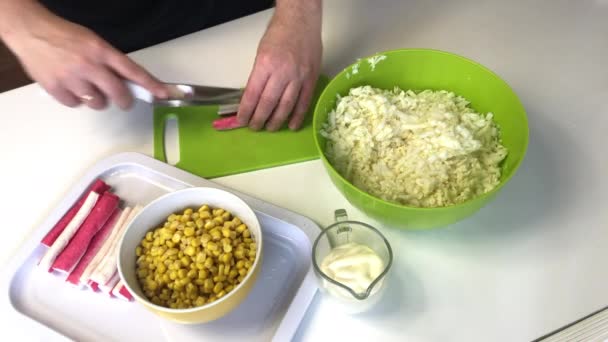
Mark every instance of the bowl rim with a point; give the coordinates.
(259, 242)
(395, 205)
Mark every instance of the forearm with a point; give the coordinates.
(304, 13)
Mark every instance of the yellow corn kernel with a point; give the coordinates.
(151, 285)
(236, 221)
(149, 236)
(189, 231)
(208, 285)
(191, 251)
(192, 274)
(204, 214)
(203, 208)
(218, 212)
(200, 301)
(239, 254)
(226, 257)
(227, 270)
(185, 261)
(185, 218)
(216, 235)
(241, 228)
(209, 262)
(217, 288)
(205, 238)
(171, 217)
(246, 233)
(227, 248)
(177, 237)
(221, 294)
(199, 223)
(190, 224)
(210, 225)
(226, 232)
(203, 274)
(229, 288)
(170, 243)
(226, 216)
(241, 279)
(195, 242)
(188, 211)
(229, 224)
(218, 220)
(233, 274)
(182, 273)
(212, 246)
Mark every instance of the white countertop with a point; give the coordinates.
(533, 260)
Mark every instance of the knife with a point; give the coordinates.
(189, 95)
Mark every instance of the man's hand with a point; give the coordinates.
(286, 68)
(69, 61)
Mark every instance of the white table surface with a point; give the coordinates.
(530, 262)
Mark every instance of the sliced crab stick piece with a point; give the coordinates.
(227, 123)
(98, 187)
(78, 245)
(125, 293)
(93, 285)
(84, 278)
(108, 266)
(120, 291)
(94, 247)
(57, 247)
(109, 286)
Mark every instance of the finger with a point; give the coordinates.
(87, 93)
(267, 102)
(115, 90)
(253, 91)
(299, 113)
(64, 96)
(286, 105)
(132, 71)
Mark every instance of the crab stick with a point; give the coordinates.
(108, 266)
(64, 238)
(84, 277)
(98, 187)
(227, 123)
(94, 247)
(78, 245)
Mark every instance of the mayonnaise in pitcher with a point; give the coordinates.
(353, 265)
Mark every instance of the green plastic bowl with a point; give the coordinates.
(420, 69)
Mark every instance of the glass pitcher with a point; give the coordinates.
(342, 232)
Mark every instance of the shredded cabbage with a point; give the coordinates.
(427, 149)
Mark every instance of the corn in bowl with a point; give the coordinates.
(194, 258)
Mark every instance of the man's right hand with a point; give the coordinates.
(71, 62)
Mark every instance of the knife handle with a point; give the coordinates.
(139, 92)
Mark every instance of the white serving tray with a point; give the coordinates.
(272, 311)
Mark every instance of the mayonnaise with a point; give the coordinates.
(353, 265)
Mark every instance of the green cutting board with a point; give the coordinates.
(210, 153)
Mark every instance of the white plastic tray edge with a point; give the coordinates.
(296, 308)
